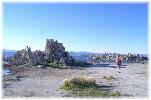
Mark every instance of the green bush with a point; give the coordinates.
(95, 92)
(86, 87)
(54, 65)
(79, 82)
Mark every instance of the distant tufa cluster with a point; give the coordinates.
(124, 57)
(54, 53)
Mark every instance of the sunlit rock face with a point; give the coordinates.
(55, 52)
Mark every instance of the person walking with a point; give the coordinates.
(118, 62)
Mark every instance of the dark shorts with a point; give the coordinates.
(119, 63)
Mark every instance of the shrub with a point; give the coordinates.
(54, 65)
(97, 92)
(82, 86)
(110, 77)
(79, 82)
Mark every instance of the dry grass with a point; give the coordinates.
(81, 82)
(86, 87)
(109, 77)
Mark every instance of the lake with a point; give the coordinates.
(6, 72)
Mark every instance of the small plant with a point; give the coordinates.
(110, 77)
(79, 82)
(54, 65)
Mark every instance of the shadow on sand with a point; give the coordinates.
(106, 87)
(106, 65)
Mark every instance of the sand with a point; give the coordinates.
(37, 82)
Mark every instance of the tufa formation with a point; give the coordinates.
(54, 53)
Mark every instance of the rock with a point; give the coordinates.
(54, 53)
(41, 66)
(18, 78)
(38, 57)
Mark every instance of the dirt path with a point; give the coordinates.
(46, 82)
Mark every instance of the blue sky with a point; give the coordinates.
(94, 27)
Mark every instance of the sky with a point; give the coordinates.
(92, 27)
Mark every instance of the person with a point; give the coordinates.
(118, 62)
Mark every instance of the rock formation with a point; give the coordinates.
(38, 57)
(54, 53)
(125, 57)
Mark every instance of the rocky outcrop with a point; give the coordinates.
(54, 53)
(24, 56)
(124, 57)
(38, 57)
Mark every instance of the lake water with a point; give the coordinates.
(8, 54)
(6, 72)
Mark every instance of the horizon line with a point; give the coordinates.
(83, 51)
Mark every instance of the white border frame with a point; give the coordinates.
(73, 1)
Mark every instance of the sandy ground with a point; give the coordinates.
(37, 82)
